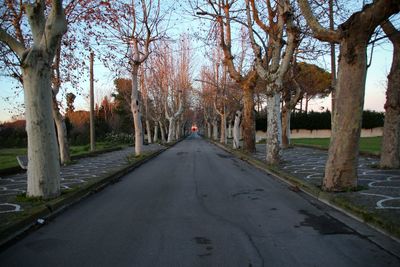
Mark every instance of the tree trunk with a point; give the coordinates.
(155, 139)
(208, 130)
(301, 105)
(215, 129)
(230, 129)
(61, 133)
(391, 130)
(286, 114)
(249, 129)
(274, 131)
(341, 166)
(333, 56)
(166, 130)
(148, 129)
(223, 138)
(162, 131)
(171, 129)
(236, 130)
(178, 129)
(135, 108)
(43, 156)
(307, 99)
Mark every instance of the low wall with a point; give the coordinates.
(302, 133)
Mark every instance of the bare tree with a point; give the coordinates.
(144, 85)
(65, 59)
(291, 96)
(177, 87)
(137, 24)
(271, 65)
(390, 152)
(221, 12)
(35, 62)
(352, 36)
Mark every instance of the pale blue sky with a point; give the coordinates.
(374, 95)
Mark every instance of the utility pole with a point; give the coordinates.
(91, 96)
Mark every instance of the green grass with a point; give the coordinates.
(8, 155)
(367, 144)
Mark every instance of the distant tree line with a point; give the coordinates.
(321, 120)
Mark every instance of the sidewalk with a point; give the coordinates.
(84, 172)
(377, 203)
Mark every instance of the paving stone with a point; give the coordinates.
(382, 187)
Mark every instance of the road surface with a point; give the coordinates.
(196, 205)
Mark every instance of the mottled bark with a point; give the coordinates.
(223, 137)
(286, 114)
(162, 132)
(248, 123)
(155, 139)
(215, 129)
(230, 129)
(236, 130)
(342, 163)
(171, 129)
(135, 108)
(62, 137)
(178, 129)
(172, 119)
(222, 114)
(208, 130)
(390, 151)
(274, 131)
(148, 130)
(43, 155)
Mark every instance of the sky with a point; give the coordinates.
(374, 93)
(10, 104)
(375, 87)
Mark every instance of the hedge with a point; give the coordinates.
(321, 120)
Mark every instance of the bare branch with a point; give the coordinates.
(11, 42)
(36, 18)
(319, 32)
(391, 32)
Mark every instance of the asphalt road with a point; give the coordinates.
(196, 205)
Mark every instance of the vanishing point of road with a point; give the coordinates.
(196, 205)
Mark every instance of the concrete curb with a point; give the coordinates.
(53, 208)
(350, 210)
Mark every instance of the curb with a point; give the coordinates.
(50, 210)
(313, 191)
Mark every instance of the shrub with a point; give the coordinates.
(321, 120)
(13, 134)
(120, 138)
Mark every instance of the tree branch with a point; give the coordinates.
(36, 18)
(256, 48)
(391, 32)
(56, 26)
(319, 32)
(12, 43)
